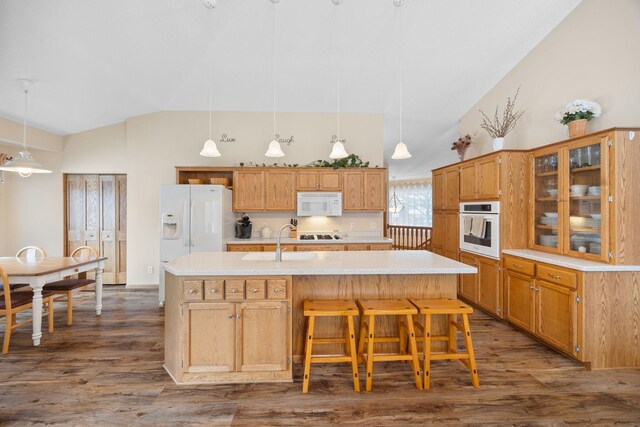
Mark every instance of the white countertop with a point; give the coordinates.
(568, 262)
(326, 263)
(294, 241)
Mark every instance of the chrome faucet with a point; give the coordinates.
(278, 250)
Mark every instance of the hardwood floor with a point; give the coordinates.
(108, 371)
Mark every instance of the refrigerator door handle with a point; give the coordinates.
(191, 218)
(185, 227)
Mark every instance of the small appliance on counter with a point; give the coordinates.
(243, 227)
(266, 232)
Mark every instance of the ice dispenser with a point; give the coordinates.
(169, 226)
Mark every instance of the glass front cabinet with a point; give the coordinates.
(570, 204)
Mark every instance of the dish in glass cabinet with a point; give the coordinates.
(552, 193)
(596, 216)
(593, 191)
(578, 189)
(551, 214)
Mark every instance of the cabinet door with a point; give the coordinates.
(451, 225)
(307, 181)
(108, 239)
(248, 190)
(437, 231)
(587, 209)
(452, 189)
(280, 192)
(438, 190)
(330, 180)
(488, 178)
(469, 282)
(519, 307)
(547, 192)
(353, 192)
(262, 332)
(556, 315)
(375, 194)
(316, 247)
(468, 181)
(210, 337)
(489, 289)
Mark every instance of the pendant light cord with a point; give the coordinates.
(337, 60)
(210, 85)
(24, 127)
(274, 69)
(400, 64)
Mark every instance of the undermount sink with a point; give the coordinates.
(286, 256)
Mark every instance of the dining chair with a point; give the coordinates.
(31, 253)
(68, 286)
(12, 303)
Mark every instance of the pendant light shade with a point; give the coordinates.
(401, 152)
(210, 149)
(338, 151)
(275, 150)
(24, 164)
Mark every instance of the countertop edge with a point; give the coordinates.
(568, 262)
(293, 241)
(327, 272)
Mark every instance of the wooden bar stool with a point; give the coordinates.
(330, 308)
(451, 308)
(401, 308)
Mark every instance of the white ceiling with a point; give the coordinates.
(99, 62)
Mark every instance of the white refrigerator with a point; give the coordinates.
(194, 218)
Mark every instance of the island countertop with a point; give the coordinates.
(324, 263)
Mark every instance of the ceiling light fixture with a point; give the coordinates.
(275, 150)
(24, 164)
(210, 149)
(338, 151)
(401, 152)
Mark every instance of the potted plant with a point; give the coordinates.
(461, 145)
(498, 128)
(576, 114)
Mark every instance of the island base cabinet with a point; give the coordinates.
(244, 336)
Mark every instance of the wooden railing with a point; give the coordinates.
(410, 237)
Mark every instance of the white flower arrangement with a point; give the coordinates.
(578, 109)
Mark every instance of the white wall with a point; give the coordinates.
(102, 150)
(158, 142)
(592, 54)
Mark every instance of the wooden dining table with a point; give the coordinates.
(50, 269)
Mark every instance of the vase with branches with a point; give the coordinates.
(498, 128)
(461, 145)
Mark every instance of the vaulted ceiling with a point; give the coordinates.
(99, 62)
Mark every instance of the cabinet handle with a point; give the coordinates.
(254, 290)
(534, 288)
(517, 266)
(213, 291)
(230, 316)
(276, 290)
(233, 291)
(192, 291)
(237, 316)
(555, 277)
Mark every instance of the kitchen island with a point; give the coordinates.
(237, 317)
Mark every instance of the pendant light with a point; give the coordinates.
(395, 207)
(210, 149)
(338, 151)
(274, 150)
(401, 152)
(24, 164)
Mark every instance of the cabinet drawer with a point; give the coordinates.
(192, 290)
(277, 289)
(234, 290)
(255, 289)
(213, 289)
(519, 265)
(555, 275)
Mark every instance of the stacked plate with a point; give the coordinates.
(549, 220)
(549, 241)
(594, 190)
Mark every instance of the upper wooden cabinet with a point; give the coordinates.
(280, 194)
(437, 189)
(364, 190)
(452, 188)
(319, 180)
(249, 189)
(480, 179)
(586, 197)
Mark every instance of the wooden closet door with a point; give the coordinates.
(75, 223)
(121, 228)
(108, 227)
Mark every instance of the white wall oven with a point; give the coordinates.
(480, 228)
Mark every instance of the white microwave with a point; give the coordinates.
(319, 204)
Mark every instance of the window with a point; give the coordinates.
(415, 197)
